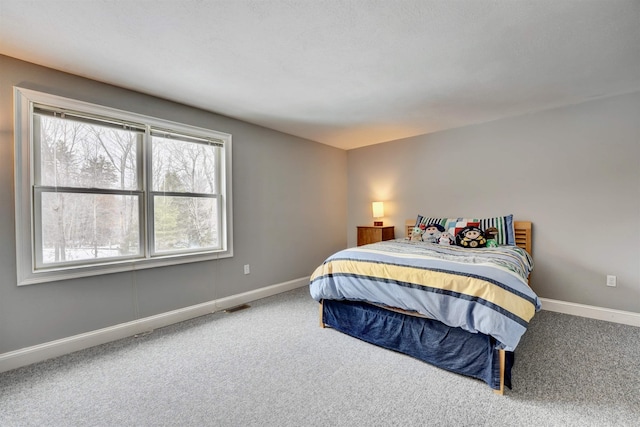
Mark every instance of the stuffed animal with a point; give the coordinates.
(445, 239)
(416, 234)
(491, 235)
(471, 237)
(432, 232)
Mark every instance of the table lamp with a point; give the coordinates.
(378, 212)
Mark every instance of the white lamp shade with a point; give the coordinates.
(378, 209)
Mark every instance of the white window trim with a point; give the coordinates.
(23, 170)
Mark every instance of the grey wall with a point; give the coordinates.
(289, 214)
(574, 172)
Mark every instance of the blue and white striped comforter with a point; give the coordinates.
(479, 290)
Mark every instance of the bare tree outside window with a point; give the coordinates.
(184, 191)
(78, 159)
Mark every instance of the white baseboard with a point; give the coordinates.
(592, 312)
(239, 299)
(41, 352)
(38, 353)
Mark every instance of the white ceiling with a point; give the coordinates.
(347, 73)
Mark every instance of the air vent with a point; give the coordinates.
(237, 308)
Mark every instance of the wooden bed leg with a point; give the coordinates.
(502, 356)
(321, 322)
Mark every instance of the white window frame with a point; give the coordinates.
(27, 273)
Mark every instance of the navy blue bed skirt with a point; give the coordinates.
(453, 349)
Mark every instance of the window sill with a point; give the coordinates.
(67, 273)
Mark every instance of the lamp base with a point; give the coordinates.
(377, 223)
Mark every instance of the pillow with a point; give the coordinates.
(456, 227)
(504, 224)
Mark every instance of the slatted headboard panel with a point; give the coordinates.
(523, 235)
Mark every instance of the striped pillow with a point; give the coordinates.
(504, 224)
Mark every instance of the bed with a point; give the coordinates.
(458, 308)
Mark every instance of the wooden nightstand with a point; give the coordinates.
(373, 234)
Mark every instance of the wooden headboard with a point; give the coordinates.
(523, 235)
(522, 230)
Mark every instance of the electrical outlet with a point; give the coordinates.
(611, 280)
(247, 269)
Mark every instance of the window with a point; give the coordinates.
(100, 190)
